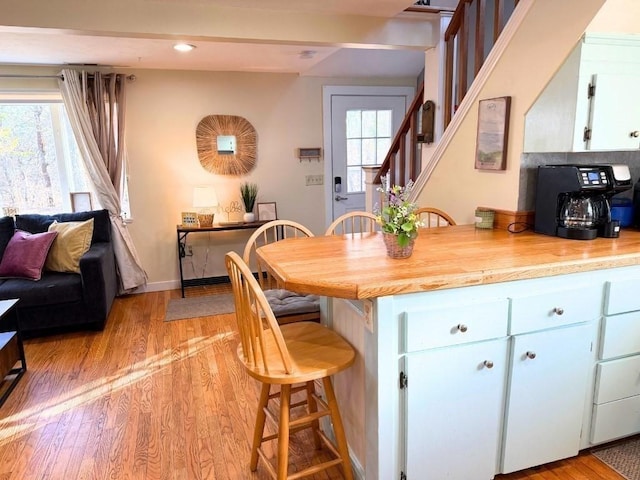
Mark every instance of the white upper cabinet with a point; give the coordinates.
(593, 101)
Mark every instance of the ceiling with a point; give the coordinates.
(33, 42)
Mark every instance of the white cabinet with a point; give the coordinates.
(549, 373)
(546, 396)
(616, 409)
(593, 101)
(454, 411)
(497, 386)
(456, 362)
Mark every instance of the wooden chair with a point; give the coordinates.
(433, 217)
(297, 353)
(353, 222)
(287, 306)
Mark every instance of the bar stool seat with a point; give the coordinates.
(293, 357)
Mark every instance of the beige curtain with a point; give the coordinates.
(95, 105)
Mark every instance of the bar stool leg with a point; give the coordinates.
(283, 432)
(313, 408)
(338, 428)
(258, 431)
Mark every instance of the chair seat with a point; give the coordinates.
(284, 303)
(315, 350)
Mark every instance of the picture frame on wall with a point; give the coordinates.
(493, 133)
(267, 211)
(81, 202)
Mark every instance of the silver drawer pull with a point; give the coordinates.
(462, 327)
(558, 310)
(531, 355)
(488, 363)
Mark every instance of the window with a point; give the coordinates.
(368, 141)
(40, 164)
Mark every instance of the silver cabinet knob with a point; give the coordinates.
(462, 327)
(634, 134)
(531, 355)
(488, 363)
(558, 310)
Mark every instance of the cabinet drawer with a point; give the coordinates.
(617, 379)
(553, 309)
(621, 296)
(615, 420)
(620, 335)
(455, 324)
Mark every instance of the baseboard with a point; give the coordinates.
(517, 220)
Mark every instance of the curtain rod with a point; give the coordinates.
(10, 75)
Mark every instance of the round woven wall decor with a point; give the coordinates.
(242, 161)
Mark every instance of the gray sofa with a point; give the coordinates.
(61, 302)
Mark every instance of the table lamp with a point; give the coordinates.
(205, 199)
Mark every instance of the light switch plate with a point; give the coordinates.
(314, 180)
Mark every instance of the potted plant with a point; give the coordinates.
(398, 219)
(248, 192)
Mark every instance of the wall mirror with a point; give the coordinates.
(226, 144)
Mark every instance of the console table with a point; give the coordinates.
(11, 349)
(182, 233)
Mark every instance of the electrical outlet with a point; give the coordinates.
(314, 179)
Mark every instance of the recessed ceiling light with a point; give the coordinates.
(184, 47)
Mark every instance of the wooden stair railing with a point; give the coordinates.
(462, 53)
(400, 167)
(470, 15)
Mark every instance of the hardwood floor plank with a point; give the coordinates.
(147, 399)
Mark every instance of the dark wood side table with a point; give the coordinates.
(182, 242)
(11, 350)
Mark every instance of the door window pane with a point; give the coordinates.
(368, 142)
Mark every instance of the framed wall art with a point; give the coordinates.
(267, 211)
(493, 133)
(81, 202)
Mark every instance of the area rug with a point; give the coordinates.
(204, 306)
(623, 457)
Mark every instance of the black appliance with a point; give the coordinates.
(573, 201)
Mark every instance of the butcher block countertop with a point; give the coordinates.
(457, 256)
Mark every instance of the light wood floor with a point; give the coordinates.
(148, 399)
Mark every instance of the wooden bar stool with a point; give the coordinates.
(295, 353)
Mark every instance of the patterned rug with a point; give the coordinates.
(623, 457)
(204, 306)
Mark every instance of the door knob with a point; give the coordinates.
(488, 363)
(531, 355)
(462, 327)
(338, 198)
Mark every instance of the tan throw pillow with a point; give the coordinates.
(73, 241)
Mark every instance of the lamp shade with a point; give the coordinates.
(204, 197)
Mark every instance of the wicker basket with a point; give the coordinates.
(394, 250)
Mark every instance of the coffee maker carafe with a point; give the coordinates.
(573, 201)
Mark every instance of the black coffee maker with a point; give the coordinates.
(573, 201)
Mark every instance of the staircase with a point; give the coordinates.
(472, 32)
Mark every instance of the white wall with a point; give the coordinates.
(163, 110)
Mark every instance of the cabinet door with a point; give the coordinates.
(615, 113)
(545, 402)
(453, 411)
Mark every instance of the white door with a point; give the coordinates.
(362, 122)
(615, 124)
(546, 396)
(454, 406)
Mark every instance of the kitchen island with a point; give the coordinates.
(485, 352)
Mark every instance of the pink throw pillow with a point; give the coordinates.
(25, 254)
